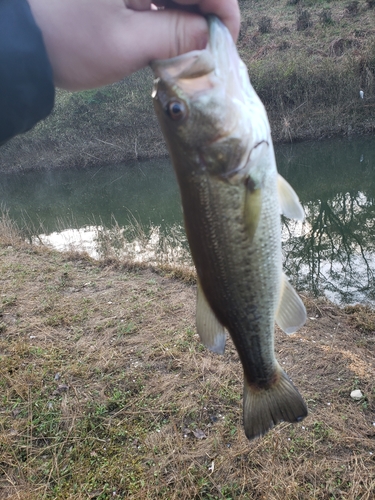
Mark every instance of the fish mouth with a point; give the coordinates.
(196, 71)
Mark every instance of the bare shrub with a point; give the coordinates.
(284, 45)
(303, 20)
(325, 17)
(370, 4)
(352, 8)
(245, 25)
(265, 24)
(339, 46)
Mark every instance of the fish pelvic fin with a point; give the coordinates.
(291, 312)
(290, 205)
(210, 330)
(264, 408)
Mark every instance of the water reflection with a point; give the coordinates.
(57, 200)
(154, 247)
(76, 240)
(133, 211)
(333, 251)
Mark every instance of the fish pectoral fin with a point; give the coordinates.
(291, 313)
(290, 205)
(264, 408)
(253, 206)
(210, 330)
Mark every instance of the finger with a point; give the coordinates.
(171, 4)
(165, 34)
(178, 32)
(227, 10)
(138, 4)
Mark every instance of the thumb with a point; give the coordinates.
(166, 33)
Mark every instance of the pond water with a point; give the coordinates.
(134, 209)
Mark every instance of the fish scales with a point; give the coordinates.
(219, 140)
(226, 276)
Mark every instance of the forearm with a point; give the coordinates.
(26, 80)
(89, 43)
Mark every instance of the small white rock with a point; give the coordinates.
(357, 395)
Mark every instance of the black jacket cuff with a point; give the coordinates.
(26, 80)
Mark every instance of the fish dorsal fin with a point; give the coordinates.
(291, 313)
(210, 330)
(289, 203)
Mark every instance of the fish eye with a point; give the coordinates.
(176, 110)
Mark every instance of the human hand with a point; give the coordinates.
(91, 43)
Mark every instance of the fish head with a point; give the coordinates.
(209, 113)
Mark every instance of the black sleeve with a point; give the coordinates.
(26, 80)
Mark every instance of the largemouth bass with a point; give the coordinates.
(219, 139)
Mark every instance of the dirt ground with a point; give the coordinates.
(106, 392)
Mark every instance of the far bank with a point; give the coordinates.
(308, 64)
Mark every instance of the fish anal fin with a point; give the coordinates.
(264, 408)
(210, 330)
(291, 312)
(290, 205)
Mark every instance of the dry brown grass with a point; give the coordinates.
(105, 388)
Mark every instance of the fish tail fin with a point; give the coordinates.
(264, 408)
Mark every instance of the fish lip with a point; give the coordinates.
(196, 62)
(167, 69)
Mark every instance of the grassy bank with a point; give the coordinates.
(308, 60)
(95, 127)
(106, 391)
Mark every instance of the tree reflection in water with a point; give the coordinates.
(333, 251)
